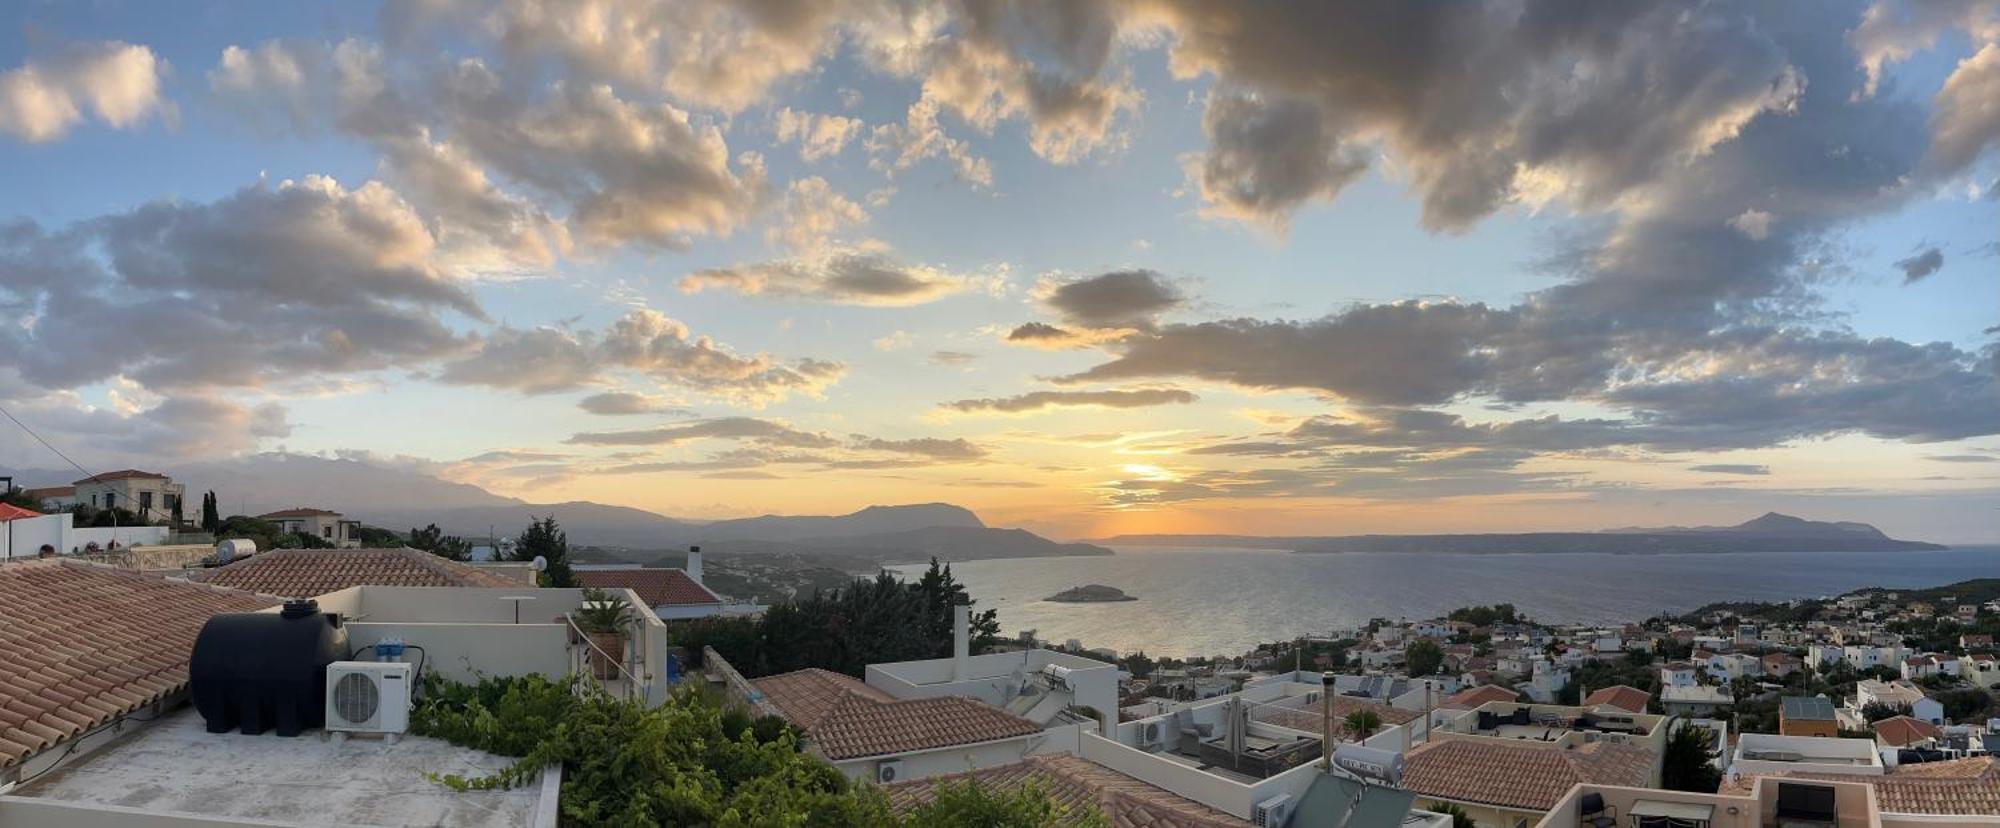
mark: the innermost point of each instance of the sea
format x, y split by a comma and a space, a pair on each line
1223, 602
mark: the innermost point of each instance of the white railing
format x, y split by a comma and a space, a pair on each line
581, 662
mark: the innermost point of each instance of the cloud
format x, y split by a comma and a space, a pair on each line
1920, 265
645, 342
623, 171
952, 359
1044, 400
264, 285
750, 429
814, 215
118, 82
1267, 158
819, 136
626, 403
1892, 30
1732, 468
1300, 87
893, 341
1755, 225
893, 148
955, 449
1119, 299
840, 276
1964, 458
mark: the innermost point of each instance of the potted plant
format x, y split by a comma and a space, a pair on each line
602, 619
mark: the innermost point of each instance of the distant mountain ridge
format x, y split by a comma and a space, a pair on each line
1771, 532
400, 497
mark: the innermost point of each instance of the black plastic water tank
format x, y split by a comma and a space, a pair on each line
259, 670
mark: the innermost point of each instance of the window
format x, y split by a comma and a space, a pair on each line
110, 500
145, 503
326, 531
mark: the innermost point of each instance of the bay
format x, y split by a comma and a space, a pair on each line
1207, 601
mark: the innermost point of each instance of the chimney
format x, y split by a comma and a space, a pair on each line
694, 564
961, 639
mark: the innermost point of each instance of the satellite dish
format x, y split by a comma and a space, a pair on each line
541, 564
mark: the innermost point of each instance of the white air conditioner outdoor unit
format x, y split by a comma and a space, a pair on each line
1152, 734
888, 771
368, 697
1273, 812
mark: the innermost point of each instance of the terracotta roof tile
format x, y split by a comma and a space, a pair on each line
1511, 776
1473, 698
847, 719
121, 474
82, 644
304, 573
1904, 731
1622, 696
1075, 784
657, 587
1959, 787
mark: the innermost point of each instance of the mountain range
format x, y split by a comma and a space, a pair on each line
399, 497
1771, 532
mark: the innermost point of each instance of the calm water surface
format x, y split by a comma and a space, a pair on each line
1225, 601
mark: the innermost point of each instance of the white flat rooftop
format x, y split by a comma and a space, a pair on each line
175, 766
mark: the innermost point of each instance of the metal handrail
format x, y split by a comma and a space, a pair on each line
631, 681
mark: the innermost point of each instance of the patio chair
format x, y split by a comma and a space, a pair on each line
1592, 811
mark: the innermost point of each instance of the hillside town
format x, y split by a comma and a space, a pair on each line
127, 703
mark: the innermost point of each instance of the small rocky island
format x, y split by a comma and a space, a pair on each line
1091, 594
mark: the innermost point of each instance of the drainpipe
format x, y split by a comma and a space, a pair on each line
961, 639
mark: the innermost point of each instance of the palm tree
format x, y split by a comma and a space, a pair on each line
1361, 724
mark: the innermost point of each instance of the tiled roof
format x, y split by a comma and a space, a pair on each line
1075, 784
82, 644
46, 492
847, 719
656, 587
299, 512
304, 573
1510, 776
1903, 731
9, 511
121, 474
1473, 698
1960, 787
1624, 697
1311, 718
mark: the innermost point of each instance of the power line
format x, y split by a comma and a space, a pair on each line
46, 444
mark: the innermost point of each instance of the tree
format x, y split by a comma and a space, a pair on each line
1877, 711
256, 530
1362, 724
211, 514
1742, 689
545, 539
1459, 818
433, 540
174, 516
1422, 658
1687, 763
17, 496
376, 537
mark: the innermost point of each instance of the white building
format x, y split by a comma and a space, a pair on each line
1693, 700
673, 594
331, 527
150, 496
1896, 694
1678, 674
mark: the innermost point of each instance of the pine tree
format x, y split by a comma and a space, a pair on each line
546, 539
1686, 765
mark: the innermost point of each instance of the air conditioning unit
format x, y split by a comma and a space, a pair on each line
1152, 734
1273, 812
368, 697
888, 771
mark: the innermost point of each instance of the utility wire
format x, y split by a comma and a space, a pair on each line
59, 453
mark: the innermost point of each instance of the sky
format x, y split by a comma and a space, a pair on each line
1084, 267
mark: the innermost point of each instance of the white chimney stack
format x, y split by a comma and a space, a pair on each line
961, 640
694, 564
